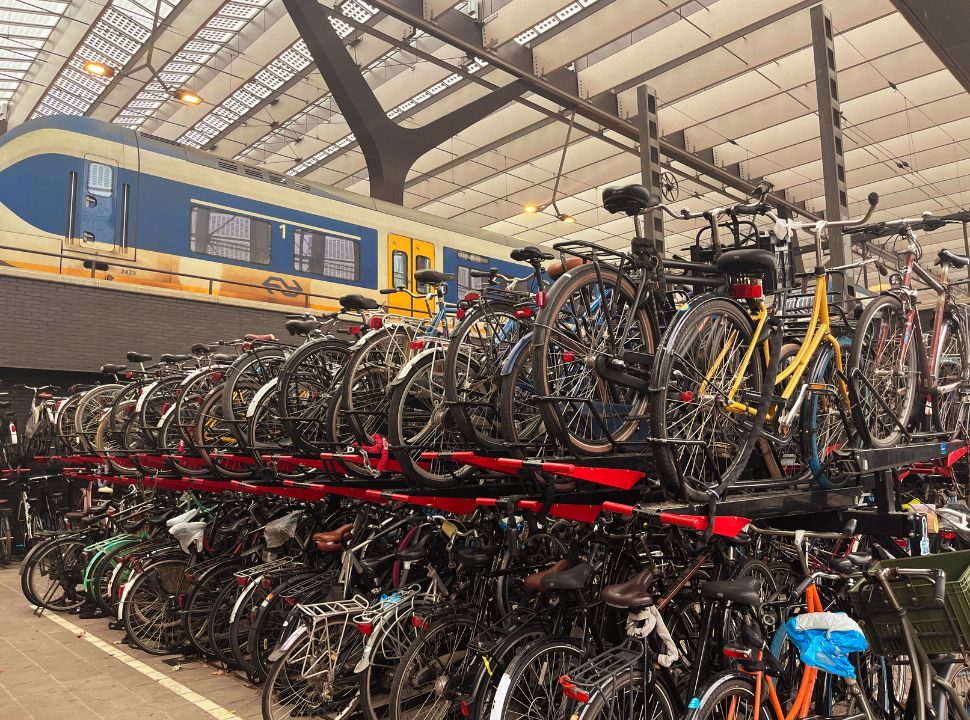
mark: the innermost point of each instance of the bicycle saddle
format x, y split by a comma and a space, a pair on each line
946, 257
358, 302
301, 327
630, 199
333, 540
113, 369
558, 267
634, 593
433, 277
477, 558
576, 578
743, 591
530, 254
747, 261
223, 358
170, 358
416, 551
533, 581
138, 357
200, 349
268, 337
852, 562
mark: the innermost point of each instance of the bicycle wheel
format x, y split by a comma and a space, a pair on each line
199, 601
958, 675
218, 624
242, 380
215, 438
891, 375
475, 354
627, 697
151, 612
530, 686
90, 409
419, 421
435, 659
307, 385
730, 698
6, 538
586, 309
315, 678
54, 577
952, 368
367, 378
699, 362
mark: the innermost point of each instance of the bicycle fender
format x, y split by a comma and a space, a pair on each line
290, 640
124, 594
694, 704
243, 596
411, 363
260, 394
523, 345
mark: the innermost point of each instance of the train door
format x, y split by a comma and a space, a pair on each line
102, 207
405, 257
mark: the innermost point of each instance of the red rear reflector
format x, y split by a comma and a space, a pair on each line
947, 534
180, 601
376, 323
247, 346
121, 590
353, 330
419, 622
129, 375
568, 357
471, 296
242, 581
466, 709
687, 396
541, 298
290, 600
737, 653
571, 691
747, 291
460, 313
267, 583
525, 312
417, 344
365, 627
165, 407
216, 376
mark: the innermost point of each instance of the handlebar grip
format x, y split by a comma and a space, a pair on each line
939, 589
388, 291
850, 527
873, 199
482, 273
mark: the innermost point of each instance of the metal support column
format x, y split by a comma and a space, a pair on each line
966, 247
650, 169
389, 149
830, 133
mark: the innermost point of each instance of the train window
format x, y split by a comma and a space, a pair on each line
399, 269
320, 253
467, 283
422, 262
100, 180
229, 235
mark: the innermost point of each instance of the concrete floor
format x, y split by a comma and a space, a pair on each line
57, 667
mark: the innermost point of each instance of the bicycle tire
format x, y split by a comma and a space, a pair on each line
61, 559
622, 690
307, 385
682, 372
517, 694
564, 346
150, 614
949, 408
738, 692
819, 439
6, 538
866, 412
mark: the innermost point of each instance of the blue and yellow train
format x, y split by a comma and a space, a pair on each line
83, 197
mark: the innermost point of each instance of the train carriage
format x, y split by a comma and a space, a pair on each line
88, 198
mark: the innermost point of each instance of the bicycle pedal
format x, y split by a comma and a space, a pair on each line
115, 625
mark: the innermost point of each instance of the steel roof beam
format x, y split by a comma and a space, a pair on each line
552, 89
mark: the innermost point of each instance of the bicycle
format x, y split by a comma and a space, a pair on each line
896, 369
717, 380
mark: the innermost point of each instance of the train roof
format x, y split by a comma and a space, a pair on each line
118, 133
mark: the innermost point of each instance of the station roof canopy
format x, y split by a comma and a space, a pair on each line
735, 80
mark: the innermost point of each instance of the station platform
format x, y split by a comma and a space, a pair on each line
59, 667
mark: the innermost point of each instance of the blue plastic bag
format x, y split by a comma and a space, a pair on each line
824, 641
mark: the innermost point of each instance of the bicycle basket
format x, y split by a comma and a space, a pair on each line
932, 625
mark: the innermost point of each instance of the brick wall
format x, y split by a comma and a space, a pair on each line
49, 325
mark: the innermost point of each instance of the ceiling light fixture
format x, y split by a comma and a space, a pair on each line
563, 217
531, 209
188, 97
98, 69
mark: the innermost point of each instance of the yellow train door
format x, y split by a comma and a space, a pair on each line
405, 257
